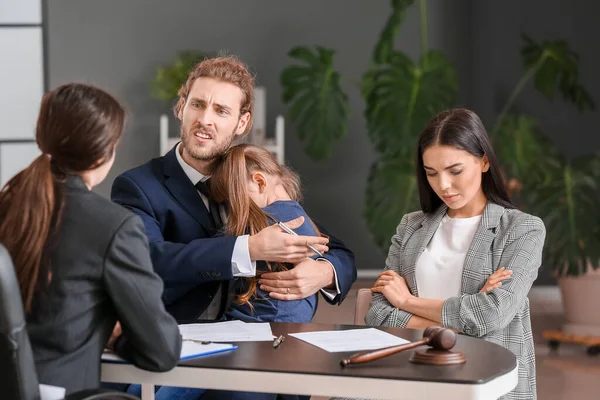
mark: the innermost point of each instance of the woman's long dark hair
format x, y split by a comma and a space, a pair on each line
77, 130
462, 129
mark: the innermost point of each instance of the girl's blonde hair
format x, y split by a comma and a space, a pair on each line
229, 185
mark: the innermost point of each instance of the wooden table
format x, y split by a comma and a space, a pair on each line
297, 367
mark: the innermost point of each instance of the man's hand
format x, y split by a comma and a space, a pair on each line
273, 244
116, 333
393, 287
304, 280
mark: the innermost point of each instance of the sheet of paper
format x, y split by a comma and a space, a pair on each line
188, 350
48, 392
350, 340
228, 331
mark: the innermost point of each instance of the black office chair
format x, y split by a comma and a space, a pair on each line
18, 379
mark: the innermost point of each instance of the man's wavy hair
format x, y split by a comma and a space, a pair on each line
226, 69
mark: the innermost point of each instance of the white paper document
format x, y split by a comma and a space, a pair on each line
48, 392
229, 331
350, 340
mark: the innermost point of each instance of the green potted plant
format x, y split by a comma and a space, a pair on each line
401, 95
564, 192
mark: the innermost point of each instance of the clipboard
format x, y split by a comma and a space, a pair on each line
189, 349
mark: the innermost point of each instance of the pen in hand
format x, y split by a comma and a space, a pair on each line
278, 341
291, 232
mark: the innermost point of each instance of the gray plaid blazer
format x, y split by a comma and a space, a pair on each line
505, 238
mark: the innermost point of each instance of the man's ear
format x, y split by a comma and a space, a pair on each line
243, 123
486, 163
181, 105
260, 180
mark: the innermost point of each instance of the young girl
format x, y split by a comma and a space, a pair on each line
259, 192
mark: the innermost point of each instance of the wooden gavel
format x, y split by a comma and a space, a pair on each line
438, 338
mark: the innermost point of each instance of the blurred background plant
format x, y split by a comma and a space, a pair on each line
169, 78
401, 95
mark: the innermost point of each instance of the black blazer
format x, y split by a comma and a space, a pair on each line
101, 273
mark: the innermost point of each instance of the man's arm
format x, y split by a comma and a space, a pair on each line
343, 263
335, 272
181, 266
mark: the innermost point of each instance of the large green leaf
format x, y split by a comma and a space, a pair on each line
556, 66
385, 46
568, 205
391, 192
319, 107
527, 158
402, 97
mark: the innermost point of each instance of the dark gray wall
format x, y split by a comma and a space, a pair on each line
121, 42
496, 67
117, 45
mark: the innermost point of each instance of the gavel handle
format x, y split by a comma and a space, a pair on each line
367, 356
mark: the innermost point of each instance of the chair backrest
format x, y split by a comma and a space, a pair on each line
18, 380
363, 301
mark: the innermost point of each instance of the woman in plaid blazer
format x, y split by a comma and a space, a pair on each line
459, 178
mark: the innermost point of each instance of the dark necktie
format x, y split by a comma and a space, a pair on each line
213, 206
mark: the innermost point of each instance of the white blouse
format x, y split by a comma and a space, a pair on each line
439, 268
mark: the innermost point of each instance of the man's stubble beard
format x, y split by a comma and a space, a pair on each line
198, 153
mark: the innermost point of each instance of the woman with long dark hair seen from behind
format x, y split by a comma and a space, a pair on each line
466, 232
82, 262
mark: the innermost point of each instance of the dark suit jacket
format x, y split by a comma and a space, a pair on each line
101, 273
190, 261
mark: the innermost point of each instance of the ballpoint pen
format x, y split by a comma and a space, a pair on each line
291, 232
197, 341
278, 341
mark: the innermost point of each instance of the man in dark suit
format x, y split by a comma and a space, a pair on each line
170, 194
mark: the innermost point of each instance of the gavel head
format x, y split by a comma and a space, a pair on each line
440, 338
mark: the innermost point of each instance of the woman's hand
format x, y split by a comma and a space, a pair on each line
116, 333
495, 280
393, 287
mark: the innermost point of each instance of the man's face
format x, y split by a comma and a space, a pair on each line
210, 119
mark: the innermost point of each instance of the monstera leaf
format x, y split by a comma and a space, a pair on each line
402, 97
168, 79
385, 46
568, 205
391, 192
319, 107
556, 67
527, 157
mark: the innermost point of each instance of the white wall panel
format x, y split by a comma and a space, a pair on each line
21, 81
14, 157
20, 12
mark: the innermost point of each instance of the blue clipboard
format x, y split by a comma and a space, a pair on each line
189, 350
